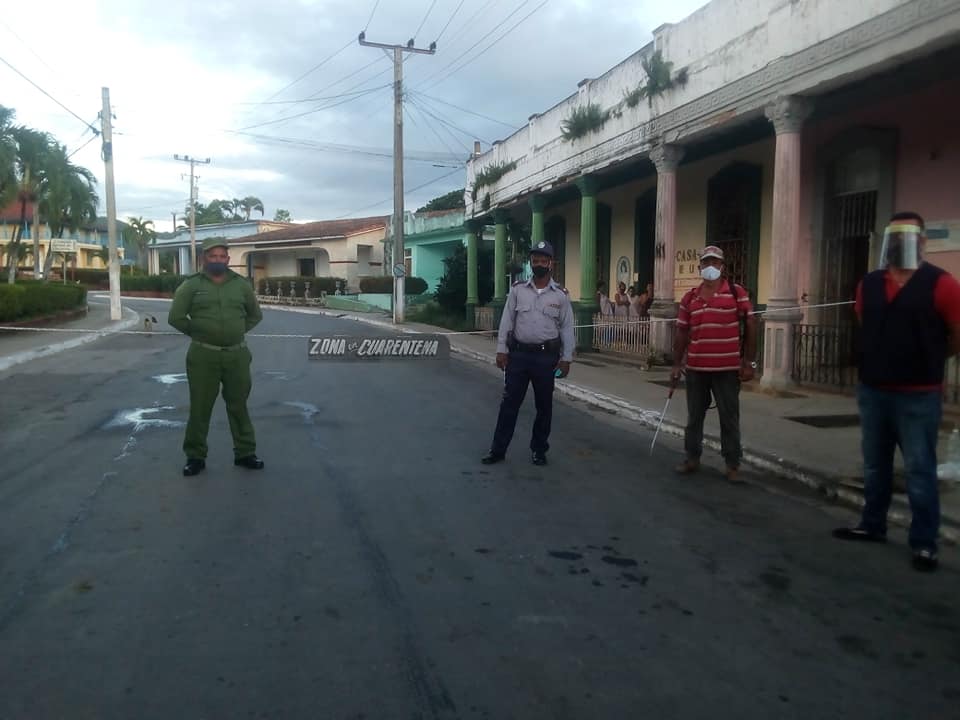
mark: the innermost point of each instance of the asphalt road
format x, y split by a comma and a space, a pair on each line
375, 569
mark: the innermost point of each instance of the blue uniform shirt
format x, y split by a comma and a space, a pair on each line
536, 316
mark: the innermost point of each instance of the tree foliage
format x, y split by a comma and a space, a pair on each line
453, 200
451, 293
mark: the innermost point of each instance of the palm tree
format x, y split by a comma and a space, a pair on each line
249, 204
68, 200
8, 153
142, 234
32, 148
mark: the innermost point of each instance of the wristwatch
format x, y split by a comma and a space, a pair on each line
753, 364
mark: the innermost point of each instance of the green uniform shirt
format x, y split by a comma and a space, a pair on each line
212, 313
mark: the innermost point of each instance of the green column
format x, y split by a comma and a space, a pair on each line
470, 235
587, 305
500, 217
537, 205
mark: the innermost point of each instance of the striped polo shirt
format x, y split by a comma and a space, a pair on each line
714, 327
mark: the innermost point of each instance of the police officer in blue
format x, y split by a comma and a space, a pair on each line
534, 345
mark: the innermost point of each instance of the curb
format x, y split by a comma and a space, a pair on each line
829, 487
87, 337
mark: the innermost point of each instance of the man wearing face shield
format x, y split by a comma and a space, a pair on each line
534, 345
216, 308
909, 312
717, 359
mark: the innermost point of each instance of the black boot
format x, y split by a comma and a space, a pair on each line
194, 466
251, 462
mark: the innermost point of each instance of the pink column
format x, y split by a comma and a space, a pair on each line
666, 158
787, 115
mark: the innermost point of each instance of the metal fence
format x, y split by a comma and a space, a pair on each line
621, 334
825, 355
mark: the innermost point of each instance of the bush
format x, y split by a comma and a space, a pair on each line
88, 276
41, 298
317, 285
384, 284
151, 283
11, 302
433, 314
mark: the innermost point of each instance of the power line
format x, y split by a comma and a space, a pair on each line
315, 110
424, 111
92, 128
484, 37
370, 19
418, 156
449, 124
482, 52
429, 10
467, 24
450, 20
92, 138
305, 100
412, 190
432, 129
311, 70
463, 109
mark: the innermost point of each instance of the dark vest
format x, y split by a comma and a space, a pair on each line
903, 342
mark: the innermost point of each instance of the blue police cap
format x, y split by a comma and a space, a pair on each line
542, 248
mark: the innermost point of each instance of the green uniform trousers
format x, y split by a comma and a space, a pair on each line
206, 370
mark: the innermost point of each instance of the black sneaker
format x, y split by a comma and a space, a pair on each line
925, 560
539, 458
859, 533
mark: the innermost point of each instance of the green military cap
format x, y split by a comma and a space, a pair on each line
213, 242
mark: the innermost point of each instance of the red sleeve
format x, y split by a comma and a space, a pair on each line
743, 301
858, 302
946, 299
683, 312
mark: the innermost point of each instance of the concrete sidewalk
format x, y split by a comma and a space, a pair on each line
24, 345
807, 436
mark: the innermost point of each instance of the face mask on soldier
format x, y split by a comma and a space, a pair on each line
216, 268
541, 271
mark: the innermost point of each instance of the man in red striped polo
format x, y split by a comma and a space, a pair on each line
717, 359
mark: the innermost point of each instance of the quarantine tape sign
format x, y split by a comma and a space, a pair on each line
381, 348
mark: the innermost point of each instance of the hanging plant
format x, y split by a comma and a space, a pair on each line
491, 174
583, 119
660, 79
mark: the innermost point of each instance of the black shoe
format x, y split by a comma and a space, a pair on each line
491, 457
859, 533
539, 458
193, 467
925, 560
251, 462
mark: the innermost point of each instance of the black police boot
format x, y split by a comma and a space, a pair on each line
251, 462
491, 457
539, 458
193, 467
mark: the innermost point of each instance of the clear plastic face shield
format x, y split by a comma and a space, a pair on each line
901, 246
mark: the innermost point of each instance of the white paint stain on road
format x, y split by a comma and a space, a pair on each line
171, 379
306, 410
139, 420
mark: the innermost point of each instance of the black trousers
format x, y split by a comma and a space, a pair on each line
725, 388
523, 369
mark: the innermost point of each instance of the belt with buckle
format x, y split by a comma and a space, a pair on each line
221, 347
547, 346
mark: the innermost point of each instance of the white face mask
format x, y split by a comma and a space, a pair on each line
710, 273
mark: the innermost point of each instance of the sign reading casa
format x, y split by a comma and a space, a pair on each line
419, 347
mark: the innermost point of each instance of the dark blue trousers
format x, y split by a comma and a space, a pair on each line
526, 368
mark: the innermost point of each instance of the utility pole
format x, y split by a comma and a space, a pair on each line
193, 208
106, 127
395, 52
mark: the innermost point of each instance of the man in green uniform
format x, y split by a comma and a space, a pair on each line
215, 308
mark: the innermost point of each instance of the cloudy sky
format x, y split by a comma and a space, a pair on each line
286, 103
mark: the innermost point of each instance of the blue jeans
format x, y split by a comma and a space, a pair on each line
910, 420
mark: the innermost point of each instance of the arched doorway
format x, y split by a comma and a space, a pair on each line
733, 221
